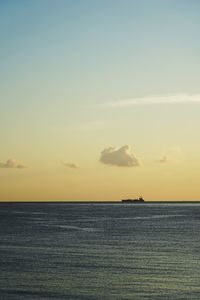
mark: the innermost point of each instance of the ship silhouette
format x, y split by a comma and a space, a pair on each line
138, 200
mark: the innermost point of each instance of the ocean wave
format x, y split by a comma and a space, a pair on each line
129, 218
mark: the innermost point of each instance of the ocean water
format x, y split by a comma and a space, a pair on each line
99, 251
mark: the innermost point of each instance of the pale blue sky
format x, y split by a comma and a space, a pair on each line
84, 52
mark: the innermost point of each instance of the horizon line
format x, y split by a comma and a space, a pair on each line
98, 201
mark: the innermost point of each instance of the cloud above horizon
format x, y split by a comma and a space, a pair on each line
12, 164
173, 155
70, 165
157, 99
121, 157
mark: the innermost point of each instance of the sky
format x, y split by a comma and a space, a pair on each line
99, 100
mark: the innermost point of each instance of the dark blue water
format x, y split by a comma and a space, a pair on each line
99, 251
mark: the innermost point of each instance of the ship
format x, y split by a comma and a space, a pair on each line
138, 200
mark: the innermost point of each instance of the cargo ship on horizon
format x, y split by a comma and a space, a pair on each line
138, 200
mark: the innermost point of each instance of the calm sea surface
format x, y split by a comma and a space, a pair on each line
99, 251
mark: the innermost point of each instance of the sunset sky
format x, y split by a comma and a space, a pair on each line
99, 100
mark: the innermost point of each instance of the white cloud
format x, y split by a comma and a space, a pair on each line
122, 157
157, 99
71, 165
12, 163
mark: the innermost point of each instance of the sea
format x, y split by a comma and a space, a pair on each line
99, 251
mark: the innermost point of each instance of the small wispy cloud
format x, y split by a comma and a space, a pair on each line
164, 159
122, 157
12, 164
173, 155
157, 99
70, 165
